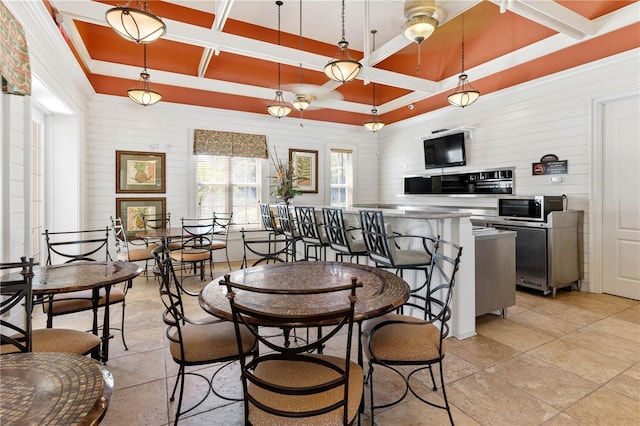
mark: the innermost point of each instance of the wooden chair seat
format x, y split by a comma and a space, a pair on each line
402, 338
65, 303
207, 343
218, 245
63, 340
58, 340
135, 255
298, 374
190, 255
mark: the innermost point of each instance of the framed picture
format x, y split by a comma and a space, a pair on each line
305, 167
140, 172
132, 211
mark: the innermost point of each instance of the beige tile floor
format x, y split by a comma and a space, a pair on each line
574, 360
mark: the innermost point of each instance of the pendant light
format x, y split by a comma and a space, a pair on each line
136, 24
465, 94
279, 108
374, 124
143, 94
343, 68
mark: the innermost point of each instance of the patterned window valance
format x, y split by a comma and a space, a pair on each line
14, 55
229, 144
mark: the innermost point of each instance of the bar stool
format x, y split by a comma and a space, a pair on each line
289, 229
341, 236
384, 248
312, 233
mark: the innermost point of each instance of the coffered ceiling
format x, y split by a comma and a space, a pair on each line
224, 53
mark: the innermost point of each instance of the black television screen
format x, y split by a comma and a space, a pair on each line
444, 151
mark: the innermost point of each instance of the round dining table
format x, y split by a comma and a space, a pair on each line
53, 388
77, 276
381, 291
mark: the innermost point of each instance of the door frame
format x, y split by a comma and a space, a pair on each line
596, 184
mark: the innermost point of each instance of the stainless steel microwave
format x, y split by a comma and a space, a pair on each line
534, 208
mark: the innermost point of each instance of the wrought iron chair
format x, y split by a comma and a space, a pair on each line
341, 236
160, 221
268, 220
196, 343
400, 342
288, 384
220, 237
74, 246
17, 292
386, 249
309, 225
127, 250
259, 250
289, 229
196, 245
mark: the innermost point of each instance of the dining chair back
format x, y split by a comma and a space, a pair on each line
127, 250
195, 342
156, 221
257, 249
196, 245
341, 236
288, 383
407, 344
74, 246
309, 225
19, 335
221, 227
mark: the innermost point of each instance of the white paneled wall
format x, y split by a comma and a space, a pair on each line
116, 123
13, 159
514, 128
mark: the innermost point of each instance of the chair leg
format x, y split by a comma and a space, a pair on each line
444, 393
124, 343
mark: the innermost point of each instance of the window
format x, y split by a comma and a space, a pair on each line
341, 177
228, 184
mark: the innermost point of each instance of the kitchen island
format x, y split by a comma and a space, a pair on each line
451, 225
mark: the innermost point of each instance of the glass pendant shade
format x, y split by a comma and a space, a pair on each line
343, 68
374, 124
464, 94
143, 94
419, 28
279, 108
137, 25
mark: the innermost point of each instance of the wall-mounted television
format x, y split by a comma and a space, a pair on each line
444, 151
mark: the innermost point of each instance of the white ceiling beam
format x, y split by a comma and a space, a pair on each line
552, 15
222, 13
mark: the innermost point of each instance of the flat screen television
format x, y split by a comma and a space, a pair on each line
444, 151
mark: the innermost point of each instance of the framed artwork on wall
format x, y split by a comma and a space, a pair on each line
132, 211
305, 167
140, 172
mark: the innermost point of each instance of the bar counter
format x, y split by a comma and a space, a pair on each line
452, 225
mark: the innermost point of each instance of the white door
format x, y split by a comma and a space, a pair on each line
621, 198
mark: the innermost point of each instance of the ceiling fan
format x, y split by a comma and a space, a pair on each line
304, 94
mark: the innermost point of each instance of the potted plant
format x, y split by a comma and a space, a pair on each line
283, 183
